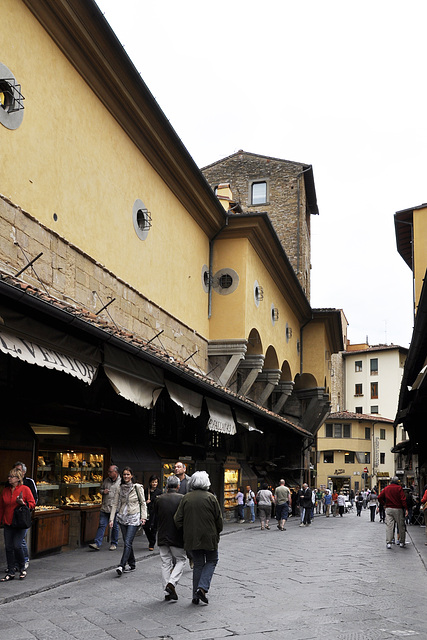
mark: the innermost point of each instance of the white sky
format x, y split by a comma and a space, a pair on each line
337, 84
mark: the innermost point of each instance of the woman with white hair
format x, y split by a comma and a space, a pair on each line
199, 516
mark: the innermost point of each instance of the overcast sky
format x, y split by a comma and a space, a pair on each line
336, 84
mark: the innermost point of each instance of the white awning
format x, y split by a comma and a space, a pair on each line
246, 420
32, 352
221, 418
189, 401
138, 391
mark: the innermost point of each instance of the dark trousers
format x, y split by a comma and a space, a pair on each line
13, 544
307, 515
128, 533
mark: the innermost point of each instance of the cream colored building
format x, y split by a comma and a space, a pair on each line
350, 445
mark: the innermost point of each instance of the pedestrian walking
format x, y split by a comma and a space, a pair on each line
283, 500
199, 515
393, 498
373, 504
264, 500
424, 508
240, 505
306, 504
250, 503
28, 482
151, 493
328, 502
341, 503
14, 495
129, 504
180, 472
334, 503
359, 503
169, 539
108, 490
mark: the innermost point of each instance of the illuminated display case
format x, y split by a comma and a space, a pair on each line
69, 479
231, 484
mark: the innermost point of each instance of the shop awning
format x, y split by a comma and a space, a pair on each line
138, 391
246, 421
189, 401
31, 351
220, 417
133, 378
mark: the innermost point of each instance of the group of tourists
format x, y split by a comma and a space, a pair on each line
186, 520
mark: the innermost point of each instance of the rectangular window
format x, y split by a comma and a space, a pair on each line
374, 366
349, 457
367, 433
358, 389
382, 434
359, 410
374, 408
328, 457
346, 431
329, 432
337, 431
367, 457
374, 390
358, 366
382, 458
259, 193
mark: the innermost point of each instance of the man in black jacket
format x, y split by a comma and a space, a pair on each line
307, 504
169, 538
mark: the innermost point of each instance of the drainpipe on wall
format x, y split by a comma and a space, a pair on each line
301, 344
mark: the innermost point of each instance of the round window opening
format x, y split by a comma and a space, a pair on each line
11, 99
225, 281
141, 219
6, 96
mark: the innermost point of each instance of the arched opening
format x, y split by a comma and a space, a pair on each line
271, 360
254, 343
305, 381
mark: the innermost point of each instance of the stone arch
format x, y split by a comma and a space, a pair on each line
254, 343
305, 381
271, 360
286, 372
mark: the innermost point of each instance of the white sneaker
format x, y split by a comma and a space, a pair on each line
119, 571
388, 545
113, 547
402, 544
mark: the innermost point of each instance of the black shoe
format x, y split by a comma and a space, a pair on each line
195, 601
119, 571
171, 591
167, 597
201, 595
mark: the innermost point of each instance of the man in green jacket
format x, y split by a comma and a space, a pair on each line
199, 516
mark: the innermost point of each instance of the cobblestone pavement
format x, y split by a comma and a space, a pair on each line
334, 580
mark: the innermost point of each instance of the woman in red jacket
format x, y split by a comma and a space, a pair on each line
14, 494
424, 503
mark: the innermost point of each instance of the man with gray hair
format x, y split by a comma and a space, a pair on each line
169, 539
394, 500
199, 516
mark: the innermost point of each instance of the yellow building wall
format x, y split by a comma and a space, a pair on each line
420, 250
357, 442
317, 353
69, 157
236, 314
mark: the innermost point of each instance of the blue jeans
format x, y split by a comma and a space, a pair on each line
13, 545
128, 533
252, 509
241, 511
103, 522
204, 567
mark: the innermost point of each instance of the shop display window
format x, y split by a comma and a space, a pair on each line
68, 479
231, 484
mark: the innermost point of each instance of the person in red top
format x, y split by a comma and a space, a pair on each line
423, 502
394, 500
14, 494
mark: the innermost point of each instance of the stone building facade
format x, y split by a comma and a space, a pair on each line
284, 190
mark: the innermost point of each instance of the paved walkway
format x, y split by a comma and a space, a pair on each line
334, 580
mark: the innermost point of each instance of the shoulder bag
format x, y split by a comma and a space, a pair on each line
21, 517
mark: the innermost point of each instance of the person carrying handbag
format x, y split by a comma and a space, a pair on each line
14, 496
129, 504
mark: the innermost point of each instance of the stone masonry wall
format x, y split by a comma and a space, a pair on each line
69, 274
283, 178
